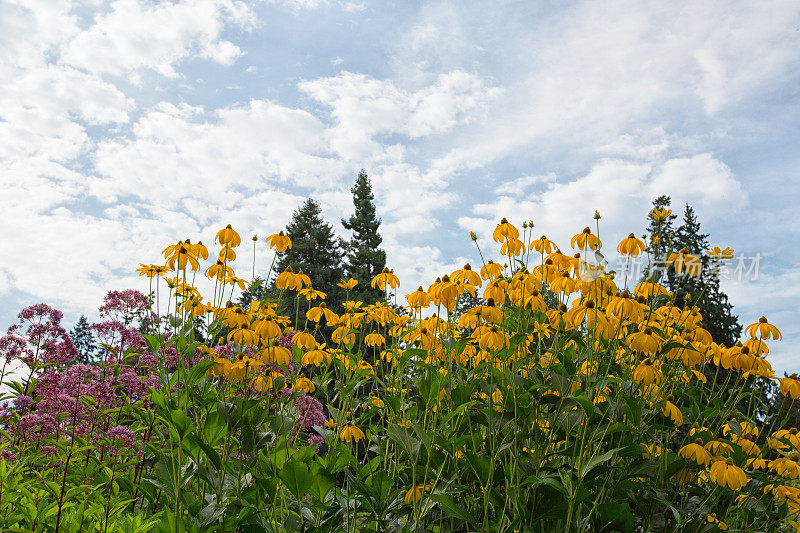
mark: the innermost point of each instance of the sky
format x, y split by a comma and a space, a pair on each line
128, 125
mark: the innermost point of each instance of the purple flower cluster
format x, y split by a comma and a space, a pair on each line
311, 414
38, 339
122, 312
63, 401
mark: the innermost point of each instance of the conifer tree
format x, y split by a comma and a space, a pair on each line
315, 251
365, 259
704, 290
83, 340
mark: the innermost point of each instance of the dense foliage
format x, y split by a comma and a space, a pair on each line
601, 407
365, 259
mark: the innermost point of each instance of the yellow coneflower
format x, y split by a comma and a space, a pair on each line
351, 433
631, 245
280, 242
585, 239
227, 236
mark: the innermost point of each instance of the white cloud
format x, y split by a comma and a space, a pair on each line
617, 189
596, 76
307, 5
701, 180
133, 36
183, 151
773, 294
364, 108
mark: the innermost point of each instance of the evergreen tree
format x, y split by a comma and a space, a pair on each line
316, 252
365, 259
705, 293
83, 339
704, 290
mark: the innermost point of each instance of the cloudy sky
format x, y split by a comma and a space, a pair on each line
130, 124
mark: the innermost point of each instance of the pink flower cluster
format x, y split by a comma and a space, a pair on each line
62, 400
38, 339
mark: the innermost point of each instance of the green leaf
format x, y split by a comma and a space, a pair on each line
596, 461
616, 515
297, 478
451, 508
480, 465
210, 452
199, 371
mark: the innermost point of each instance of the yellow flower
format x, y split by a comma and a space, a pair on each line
630, 246
227, 254
673, 412
288, 280
790, 387
241, 368
227, 236
315, 357
179, 255
280, 242
199, 250
492, 339
232, 280
684, 260
349, 284
311, 294
764, 330
383, 278
351, 433
718, 253
151, 270
374, 339
275, 354
564, 284
505, 231
365, 366
316, 313
543, 245
512, 247
585, 239
712, 519
304, 339
625, 307
647, 374
647, 289
467, 275
644, 341
694, 451
221, 368
414, 494
267, 329
660, 215
724, 474
418, 299
243, 335
375, 401
219, 270
303, 384
492, 270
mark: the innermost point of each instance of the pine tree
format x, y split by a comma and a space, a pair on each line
85, 344
365, 259
315, 251
704, 290
705, 293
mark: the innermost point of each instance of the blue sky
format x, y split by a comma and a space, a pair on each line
127, 125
